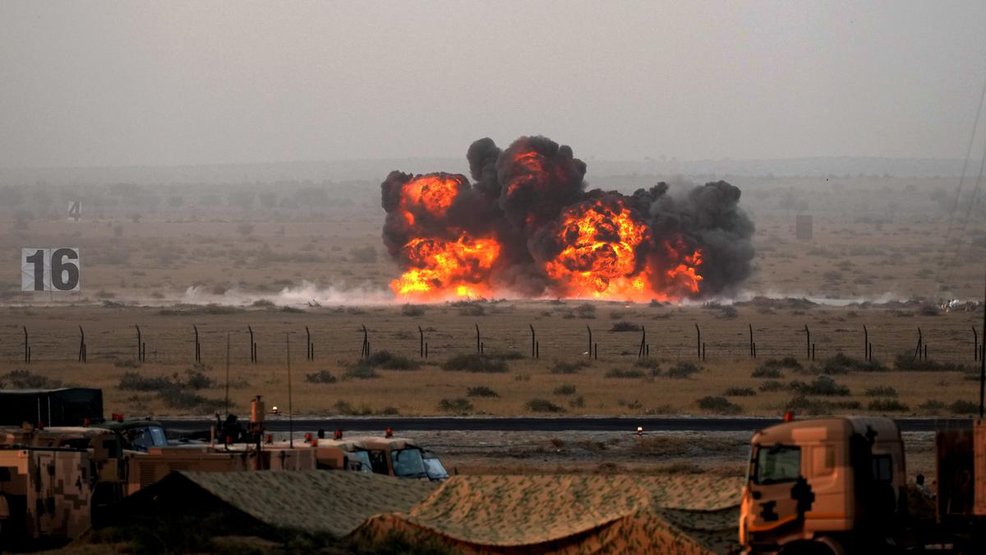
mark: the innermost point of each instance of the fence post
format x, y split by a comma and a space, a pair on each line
198, 347
82, 345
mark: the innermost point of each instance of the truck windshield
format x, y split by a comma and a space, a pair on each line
408, 463
359, 461
776, 463
144, 438
436, 471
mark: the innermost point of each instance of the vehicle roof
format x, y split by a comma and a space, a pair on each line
386, 442
817, 429
127, 424
37, 391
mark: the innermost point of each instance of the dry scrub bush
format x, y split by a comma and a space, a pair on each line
322, 376
739, 392
562, 367
543, 405
458, 405
719, 405
475, 363
481, 391
822, 385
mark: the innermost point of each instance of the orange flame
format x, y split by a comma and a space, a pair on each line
447, 269
431, 194
599, 257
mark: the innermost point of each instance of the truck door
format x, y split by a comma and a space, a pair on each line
775, 478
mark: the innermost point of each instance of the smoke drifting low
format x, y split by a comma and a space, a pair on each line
526, 226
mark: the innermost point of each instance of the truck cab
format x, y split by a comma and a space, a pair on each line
826, 486
402, 458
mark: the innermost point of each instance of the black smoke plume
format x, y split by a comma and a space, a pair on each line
519, 195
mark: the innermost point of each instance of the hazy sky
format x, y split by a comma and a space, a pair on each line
140, 83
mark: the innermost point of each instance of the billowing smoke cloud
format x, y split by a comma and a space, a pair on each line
526, 226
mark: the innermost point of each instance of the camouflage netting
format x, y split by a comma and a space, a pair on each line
569, 514
311, 501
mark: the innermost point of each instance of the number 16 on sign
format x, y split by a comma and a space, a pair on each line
50, 269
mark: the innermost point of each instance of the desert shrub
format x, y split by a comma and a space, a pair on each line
390, 411
179, 398
481, 391
577, 402
739, 392
565, 389
506, 355
470, 308
964, 407
360, 371
389, 361
881, 391
628, 373
932, 405
561, 367
763, 371
586, 311
459, 405
647, 362
682, 370
322, 376
822, 385
907, 361
719, 405
623, 325
543, 405
195, 379
132, 381
475, 363
24, 379
771, 385
790, 363
346, 409
842, 364
633, 405
412, 310
887, 405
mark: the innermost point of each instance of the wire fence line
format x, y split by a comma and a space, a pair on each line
951, 341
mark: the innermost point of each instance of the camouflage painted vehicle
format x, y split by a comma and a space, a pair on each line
46, 493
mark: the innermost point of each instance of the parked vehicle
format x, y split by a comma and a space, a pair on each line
830, 486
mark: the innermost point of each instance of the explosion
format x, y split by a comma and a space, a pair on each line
527, 227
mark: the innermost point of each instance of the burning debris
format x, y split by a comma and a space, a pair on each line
527, 227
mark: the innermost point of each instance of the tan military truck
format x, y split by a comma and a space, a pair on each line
830, 486
45, 492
